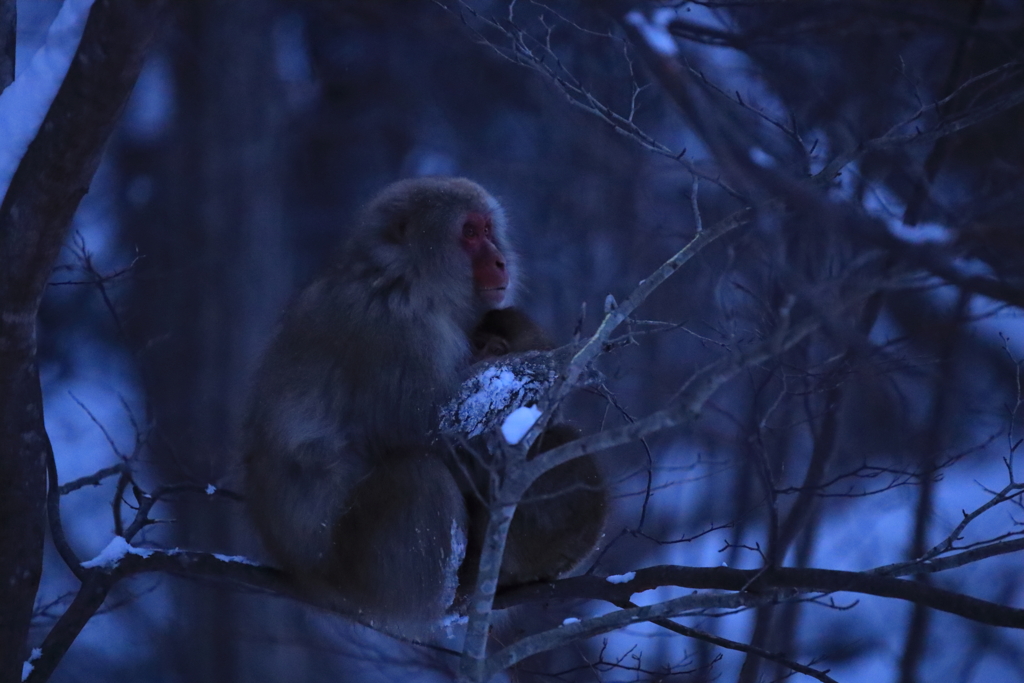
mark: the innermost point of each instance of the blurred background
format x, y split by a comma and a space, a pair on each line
258, 128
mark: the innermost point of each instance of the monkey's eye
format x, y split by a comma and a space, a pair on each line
469, 231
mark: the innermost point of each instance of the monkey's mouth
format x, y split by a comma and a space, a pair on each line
492, 295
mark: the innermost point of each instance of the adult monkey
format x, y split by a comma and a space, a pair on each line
341, 481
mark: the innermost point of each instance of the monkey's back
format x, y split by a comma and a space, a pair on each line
338, 391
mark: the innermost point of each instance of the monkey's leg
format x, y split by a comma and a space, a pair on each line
560, 519
398, 545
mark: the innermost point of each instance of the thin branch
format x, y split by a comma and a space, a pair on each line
60, 542
1008, 492
743, 647
569, 633
94, 479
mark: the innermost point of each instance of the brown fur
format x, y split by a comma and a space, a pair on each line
507, 330
560, 519
341, 481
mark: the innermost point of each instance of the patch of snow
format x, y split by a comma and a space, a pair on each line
241, 559
570, 620
114, 552
27, 667
458, 554
450, 621
497, 385
25, 102
516, 425
621, 578
453, 619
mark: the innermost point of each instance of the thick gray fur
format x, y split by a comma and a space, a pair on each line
340, 481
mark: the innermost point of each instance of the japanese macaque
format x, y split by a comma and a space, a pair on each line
561, 517
342, 480
507, 330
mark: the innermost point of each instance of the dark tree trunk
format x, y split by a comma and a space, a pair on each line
44, 193
8, 36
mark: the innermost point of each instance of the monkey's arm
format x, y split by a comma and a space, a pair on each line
562, 515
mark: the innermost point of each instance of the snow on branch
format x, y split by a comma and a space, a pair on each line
24, 103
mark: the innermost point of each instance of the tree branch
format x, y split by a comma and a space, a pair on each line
44, 193
779, 579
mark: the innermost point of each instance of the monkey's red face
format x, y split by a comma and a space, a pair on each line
490, 277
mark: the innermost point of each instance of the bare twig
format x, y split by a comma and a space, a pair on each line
743, 647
